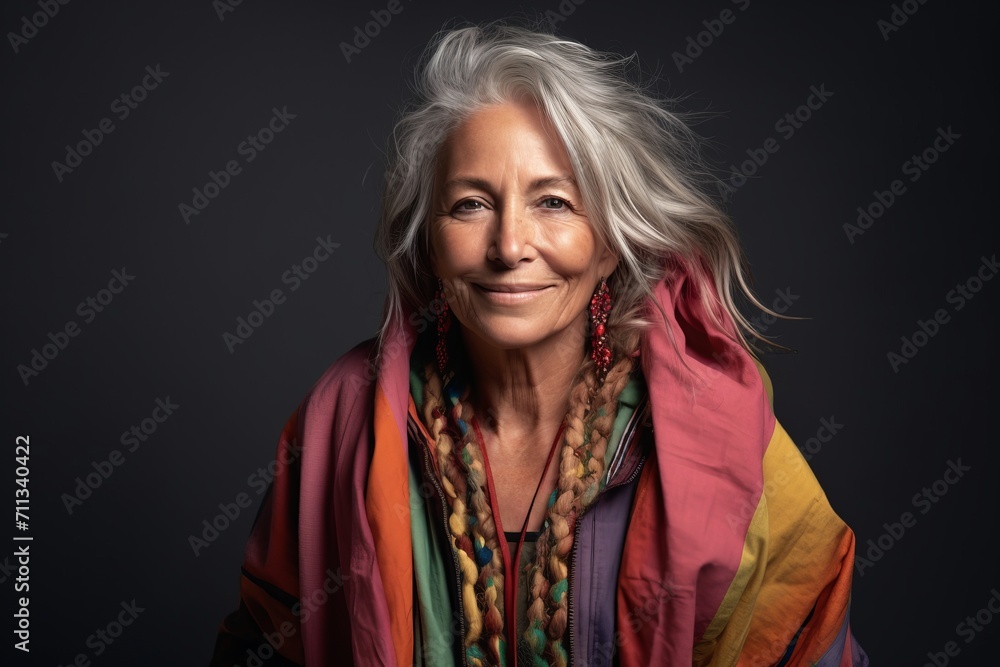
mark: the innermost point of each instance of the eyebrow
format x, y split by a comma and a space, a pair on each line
483, 184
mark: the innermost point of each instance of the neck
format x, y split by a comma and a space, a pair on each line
524, 393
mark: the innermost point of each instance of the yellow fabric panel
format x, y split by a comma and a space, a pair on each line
804, 545
726, 633
808, 547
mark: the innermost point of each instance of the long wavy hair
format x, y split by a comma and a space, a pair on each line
640, 169
645, 188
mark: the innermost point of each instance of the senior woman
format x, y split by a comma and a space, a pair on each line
560, 449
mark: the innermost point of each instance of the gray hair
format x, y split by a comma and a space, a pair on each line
637, 163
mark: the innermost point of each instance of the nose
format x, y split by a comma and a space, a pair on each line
513, 237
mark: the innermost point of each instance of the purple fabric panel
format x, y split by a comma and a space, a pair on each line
595, 580
858, 655
835, 654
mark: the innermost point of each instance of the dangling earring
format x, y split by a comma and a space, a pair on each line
443, 324
600, 306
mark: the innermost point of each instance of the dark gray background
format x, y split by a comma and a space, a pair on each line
162, 336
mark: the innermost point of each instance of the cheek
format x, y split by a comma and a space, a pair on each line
593, 259
576, 255
453, 251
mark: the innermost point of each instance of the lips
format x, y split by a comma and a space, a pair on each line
509, 289
505, 295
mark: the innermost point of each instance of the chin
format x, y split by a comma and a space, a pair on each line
506, 338
517, 334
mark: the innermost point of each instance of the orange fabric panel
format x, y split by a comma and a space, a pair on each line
387, 501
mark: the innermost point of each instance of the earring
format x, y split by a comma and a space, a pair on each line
600, 306
443, 325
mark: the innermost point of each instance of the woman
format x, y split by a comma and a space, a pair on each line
560, 449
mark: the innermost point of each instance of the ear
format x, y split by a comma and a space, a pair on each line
608, 262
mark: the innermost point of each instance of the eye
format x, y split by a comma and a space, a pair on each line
554, 203
469, 205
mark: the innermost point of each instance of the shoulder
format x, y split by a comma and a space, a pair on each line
348, 381
766, 379
354, 368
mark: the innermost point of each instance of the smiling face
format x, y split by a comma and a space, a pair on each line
509, 237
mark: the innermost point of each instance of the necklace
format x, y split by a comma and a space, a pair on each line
510, 568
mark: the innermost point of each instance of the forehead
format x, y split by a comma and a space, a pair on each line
510, 139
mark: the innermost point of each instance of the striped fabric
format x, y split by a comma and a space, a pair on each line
731, 544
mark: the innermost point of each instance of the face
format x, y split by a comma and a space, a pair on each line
509, 236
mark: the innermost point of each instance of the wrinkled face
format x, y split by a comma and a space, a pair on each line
509, 237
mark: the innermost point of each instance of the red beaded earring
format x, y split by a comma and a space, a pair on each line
443, 324
600, 306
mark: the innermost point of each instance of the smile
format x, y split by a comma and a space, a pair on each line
507, 294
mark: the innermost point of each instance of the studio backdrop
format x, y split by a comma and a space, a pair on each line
190, 193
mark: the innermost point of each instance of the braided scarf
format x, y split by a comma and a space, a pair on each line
447, 414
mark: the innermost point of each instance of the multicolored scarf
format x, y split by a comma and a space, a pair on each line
461, 465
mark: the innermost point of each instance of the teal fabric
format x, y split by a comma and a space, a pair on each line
432, 608
628, 401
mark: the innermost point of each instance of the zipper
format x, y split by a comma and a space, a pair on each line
415, 432
627, 437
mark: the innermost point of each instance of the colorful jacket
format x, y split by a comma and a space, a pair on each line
731, 554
